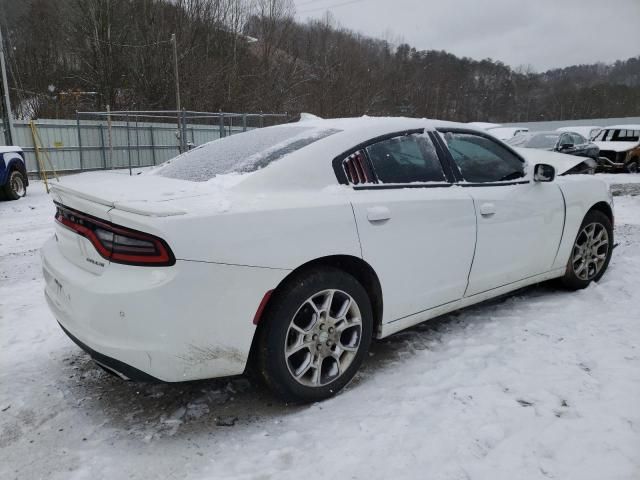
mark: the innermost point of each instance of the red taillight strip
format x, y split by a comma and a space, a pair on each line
163, 256
87, 233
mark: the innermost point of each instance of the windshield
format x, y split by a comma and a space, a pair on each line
617, 135
240, 153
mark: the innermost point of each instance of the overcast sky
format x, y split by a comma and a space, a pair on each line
543, 33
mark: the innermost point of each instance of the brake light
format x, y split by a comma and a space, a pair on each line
117, 243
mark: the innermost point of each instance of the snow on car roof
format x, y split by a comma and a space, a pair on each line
353, 123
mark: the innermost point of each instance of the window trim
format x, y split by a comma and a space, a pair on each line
377, 184
460, 181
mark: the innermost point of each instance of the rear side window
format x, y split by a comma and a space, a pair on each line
240, 153
621, 135
482, 160
405, 159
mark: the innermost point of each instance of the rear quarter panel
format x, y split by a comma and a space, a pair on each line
276, 230
581, 193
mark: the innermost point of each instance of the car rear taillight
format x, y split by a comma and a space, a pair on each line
117, 243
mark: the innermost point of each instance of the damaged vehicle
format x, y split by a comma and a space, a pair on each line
619, 148
285, 250
569, 143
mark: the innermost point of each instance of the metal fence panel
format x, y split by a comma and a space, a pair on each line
88, 144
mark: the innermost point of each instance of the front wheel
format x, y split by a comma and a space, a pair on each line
633, 166
591, 251
316, 334
16, 187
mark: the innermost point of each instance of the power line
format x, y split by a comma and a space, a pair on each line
328, 7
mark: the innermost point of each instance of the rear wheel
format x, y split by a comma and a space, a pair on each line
591, 251
16, 187
316, 334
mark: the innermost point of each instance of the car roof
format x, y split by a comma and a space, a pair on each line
310, 166
378, 123
622, 127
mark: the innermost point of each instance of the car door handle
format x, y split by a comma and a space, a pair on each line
378, 214
487, 209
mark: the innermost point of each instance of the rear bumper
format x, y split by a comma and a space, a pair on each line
191, 321
122, 370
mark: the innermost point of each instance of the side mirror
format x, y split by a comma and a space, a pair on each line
543, 173
566, 146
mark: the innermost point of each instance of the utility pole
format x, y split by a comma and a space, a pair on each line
177, 80
7, 121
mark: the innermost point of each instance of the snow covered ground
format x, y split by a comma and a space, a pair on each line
542, 384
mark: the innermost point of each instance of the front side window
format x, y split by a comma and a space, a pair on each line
482, 160
405, 159
578, 139
566, 139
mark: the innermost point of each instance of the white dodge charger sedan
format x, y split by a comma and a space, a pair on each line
287, 249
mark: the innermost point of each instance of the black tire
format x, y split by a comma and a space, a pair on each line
16, 186
289, 304
573, 279
633, 166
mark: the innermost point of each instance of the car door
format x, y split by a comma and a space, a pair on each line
415, 229
520, 222
583, 148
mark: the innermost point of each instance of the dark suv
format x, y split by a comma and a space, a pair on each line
13, 173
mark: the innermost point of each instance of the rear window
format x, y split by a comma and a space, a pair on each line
240, 153
532, 140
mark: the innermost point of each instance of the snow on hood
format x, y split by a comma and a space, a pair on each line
560, 161
149, 195
617, 146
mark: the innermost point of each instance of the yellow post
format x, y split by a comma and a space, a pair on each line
36, 144
46, 156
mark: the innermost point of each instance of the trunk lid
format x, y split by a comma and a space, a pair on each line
148, 195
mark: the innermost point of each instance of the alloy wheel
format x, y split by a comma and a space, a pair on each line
323, 338
590, 251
